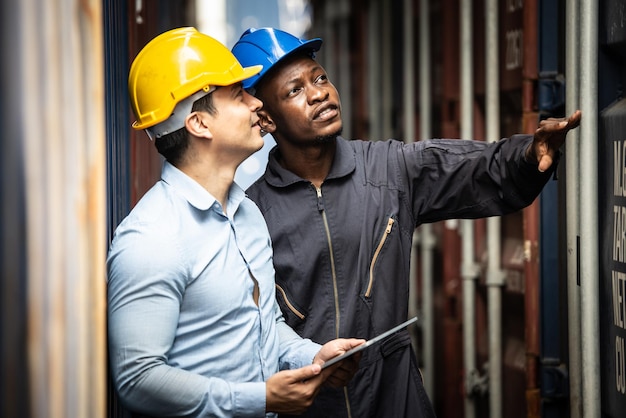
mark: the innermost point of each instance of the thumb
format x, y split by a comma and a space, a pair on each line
307, 372
545, 162
353, 342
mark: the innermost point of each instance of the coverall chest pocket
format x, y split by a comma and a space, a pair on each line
380, 248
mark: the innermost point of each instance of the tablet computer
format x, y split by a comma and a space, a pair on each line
369, 343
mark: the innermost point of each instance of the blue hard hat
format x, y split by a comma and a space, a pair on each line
266, 47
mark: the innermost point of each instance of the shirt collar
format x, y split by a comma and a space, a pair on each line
194, 193
344, 164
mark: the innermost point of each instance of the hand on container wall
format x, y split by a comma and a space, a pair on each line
548, 139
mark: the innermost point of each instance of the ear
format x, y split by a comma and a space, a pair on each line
196, 124
265, 121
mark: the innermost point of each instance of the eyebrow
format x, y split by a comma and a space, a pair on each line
308, 73
234, 89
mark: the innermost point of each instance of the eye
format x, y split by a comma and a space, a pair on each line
294, 91
322, 78
237, 91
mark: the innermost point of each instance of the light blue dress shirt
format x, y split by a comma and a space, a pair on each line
185, 335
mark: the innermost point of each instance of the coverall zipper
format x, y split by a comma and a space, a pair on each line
370, 284
320, 208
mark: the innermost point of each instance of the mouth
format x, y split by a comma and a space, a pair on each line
326, 112
257, 124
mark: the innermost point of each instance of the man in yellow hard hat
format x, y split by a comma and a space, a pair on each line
194, 328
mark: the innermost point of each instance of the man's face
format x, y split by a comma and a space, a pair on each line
235, 122
301, 101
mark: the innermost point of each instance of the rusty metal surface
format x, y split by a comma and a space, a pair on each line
55, 90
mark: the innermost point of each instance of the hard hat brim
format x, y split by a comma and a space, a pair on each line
227, 81
247, 73
312, 45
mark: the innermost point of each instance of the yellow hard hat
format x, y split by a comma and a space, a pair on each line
175, 68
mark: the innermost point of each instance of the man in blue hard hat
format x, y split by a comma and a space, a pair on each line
341, 215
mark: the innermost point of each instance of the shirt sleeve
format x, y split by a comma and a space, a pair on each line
295, 351
145, 289
465, 179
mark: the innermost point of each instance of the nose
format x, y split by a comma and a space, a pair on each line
317, 93
254, 103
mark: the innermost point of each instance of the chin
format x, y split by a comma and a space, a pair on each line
329, 137
257, 142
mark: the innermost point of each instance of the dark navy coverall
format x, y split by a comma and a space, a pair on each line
342, 252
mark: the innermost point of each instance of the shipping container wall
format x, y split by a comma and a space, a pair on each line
52, 194
612, 204
133, 163
532, 49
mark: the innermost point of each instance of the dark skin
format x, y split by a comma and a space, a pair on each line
302, 111
549, 137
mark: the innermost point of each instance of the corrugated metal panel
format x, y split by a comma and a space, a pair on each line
13, 266
511, 44
117, 64
146, 19
132, 160
612, 205
553, 372
612, 269
55, 91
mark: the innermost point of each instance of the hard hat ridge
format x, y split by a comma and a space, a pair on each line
268, 46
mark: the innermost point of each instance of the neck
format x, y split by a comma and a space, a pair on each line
215, 178
311, 163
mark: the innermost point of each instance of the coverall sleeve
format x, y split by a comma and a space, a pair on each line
466, 179
295, 351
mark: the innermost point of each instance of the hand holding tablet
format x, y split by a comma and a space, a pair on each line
369, 343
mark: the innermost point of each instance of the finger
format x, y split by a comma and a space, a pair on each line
343, 374
335, 376
574, 119
335, 382
551, 121
555, 126
545, 162
559, 123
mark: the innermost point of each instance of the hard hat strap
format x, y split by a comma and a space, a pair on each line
177, 118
